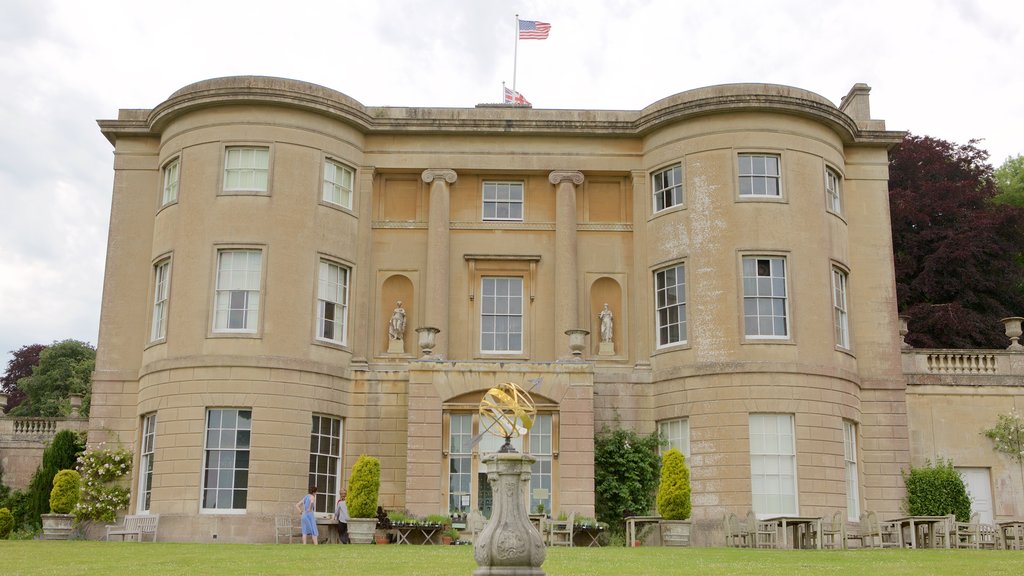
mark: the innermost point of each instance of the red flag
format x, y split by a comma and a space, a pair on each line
533, 30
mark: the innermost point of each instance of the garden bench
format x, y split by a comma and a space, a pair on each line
135, 525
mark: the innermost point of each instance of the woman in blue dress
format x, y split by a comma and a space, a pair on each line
306, 507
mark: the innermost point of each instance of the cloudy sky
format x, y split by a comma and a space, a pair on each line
944, 68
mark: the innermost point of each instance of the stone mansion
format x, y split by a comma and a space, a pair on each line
294, 279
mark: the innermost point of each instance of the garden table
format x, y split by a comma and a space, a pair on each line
428, 531
588, 534
327, 526
631, 526
810, 525
1011, 533
934, 524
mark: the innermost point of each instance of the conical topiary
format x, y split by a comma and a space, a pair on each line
674, 487
67, 486
364, 487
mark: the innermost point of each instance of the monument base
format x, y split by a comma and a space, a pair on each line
606, 349
396, 346
508, 571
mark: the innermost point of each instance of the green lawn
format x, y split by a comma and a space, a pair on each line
84, 557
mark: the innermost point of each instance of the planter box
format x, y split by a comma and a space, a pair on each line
361, 530
675, 532
57, 526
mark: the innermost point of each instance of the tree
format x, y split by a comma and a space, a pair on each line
18, 367
625, 475
64, 367
957, 271
61, 454
1010, 182
1008, 437
674, 488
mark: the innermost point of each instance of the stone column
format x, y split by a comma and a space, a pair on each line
435, 299
362, 287
509, 545
567, 315
641, 318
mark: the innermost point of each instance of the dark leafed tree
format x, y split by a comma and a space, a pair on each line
957, 272
64, 367
19, 366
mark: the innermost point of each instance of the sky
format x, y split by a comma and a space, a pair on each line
950, 69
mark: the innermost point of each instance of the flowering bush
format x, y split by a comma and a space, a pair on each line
1008, 435
102, 495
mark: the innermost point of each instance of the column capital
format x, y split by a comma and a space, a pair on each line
559, 176
446, 174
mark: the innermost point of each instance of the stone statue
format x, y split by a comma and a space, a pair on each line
606, 324
396, 326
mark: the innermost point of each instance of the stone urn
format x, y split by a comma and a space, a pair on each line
427, 339
57, 526
675, 532
362, 530
576, 341
1013, 332
509, 545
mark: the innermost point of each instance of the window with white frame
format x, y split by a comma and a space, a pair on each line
773, 464
670, 304
171, 174
226, 461
460, 463
237, 305
332, 302
832, 198
246, 168
468, 488
161, 284
501, 315
677, 435
146, 451
503, 201
850, 457
842, 320
668, 187
540, 448
765, 306
338, 180
325, 460
759, 175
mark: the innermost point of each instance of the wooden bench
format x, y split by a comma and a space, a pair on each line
135, 525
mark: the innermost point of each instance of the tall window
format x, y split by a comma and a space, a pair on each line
842, 320
501, 317
772, 464
146, 452
677, 434
226, 465
238, 291
668, 187
832, 198
162, 275
764, 297
759, 175
670, 304
338, 184
503, 201
540, 448
171, 171
460, 463
850, 456
246, 168
332, 302
325, 460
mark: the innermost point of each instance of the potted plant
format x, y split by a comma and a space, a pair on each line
449, 536
63, 498
674, 499
363, 491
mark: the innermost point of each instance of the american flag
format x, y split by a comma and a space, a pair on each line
533, 30
513, 97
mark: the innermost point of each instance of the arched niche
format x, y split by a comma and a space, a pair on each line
397, 287
607, 290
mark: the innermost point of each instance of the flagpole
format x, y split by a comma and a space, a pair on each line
515, 57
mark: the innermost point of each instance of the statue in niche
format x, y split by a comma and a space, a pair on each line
396, 326
606, 324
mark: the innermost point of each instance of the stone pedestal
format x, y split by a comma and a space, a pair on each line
509, 545
606, 349
396, 346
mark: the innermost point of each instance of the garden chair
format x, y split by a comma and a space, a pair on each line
734, 535
284, 528
560, 531
762, 533
833, 533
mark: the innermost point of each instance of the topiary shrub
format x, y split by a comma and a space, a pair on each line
364, 487
60, 454
6, 523
937, 490
67, 486
674, 487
